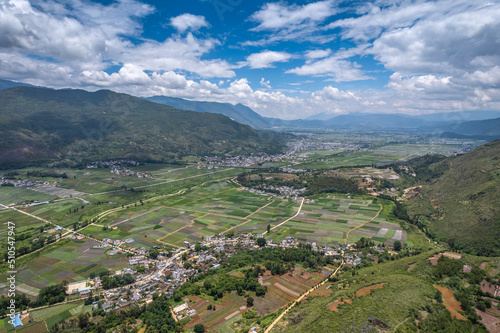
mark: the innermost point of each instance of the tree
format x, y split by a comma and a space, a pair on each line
199, 328
268, 228
261, 242
249, 302
397, 246
153, 253
197, 247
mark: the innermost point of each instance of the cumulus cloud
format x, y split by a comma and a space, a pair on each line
447, 37
188, 21
318, 54
438, 55
292, 22
337, 69
265, 59
275, 16
87, 36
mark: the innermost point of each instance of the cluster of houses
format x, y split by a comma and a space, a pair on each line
293, 147
170, 270
285, 192
117, 168
106, 242
110, 164
120, 171
23, 182
183, 310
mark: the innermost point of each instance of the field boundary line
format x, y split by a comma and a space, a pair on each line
361, 225
134, 217
290, 218
165, 182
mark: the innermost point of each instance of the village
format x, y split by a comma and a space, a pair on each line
171, 269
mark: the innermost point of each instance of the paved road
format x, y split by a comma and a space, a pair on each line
298, 212
68, 231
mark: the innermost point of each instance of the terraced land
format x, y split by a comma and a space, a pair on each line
281, 290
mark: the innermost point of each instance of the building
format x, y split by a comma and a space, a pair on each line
493, 289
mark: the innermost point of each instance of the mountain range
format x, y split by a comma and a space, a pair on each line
44, 124
476, 124
454, 124
238, 112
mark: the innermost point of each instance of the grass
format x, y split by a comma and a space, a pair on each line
403, 291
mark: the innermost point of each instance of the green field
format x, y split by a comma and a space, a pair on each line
73, 261
9, 195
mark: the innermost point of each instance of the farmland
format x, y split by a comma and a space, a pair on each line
336, 219
182, 204
222, 207
281, 290
73, 261
205, 211
9, 195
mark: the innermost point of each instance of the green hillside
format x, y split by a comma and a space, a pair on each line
41, 124
461, 205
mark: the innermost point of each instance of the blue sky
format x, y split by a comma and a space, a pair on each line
282, 58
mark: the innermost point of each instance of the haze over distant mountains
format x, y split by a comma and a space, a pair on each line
477, 123
474, 123
238, 112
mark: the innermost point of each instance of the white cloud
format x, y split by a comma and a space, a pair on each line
318, 54
265, 59
338, 69
87, 36
188, 21
293, 22
332, 93
447, 37
275, 16
265, 84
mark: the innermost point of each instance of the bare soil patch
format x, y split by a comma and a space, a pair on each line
238, 274
450, 255
450, 302
367, 290
320, 292
492, 323
334, 306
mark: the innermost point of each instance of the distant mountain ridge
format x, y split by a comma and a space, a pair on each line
238, 112
6, 84
44, 124
451, 124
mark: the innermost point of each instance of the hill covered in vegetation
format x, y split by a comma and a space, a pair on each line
458, 200
38, 124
